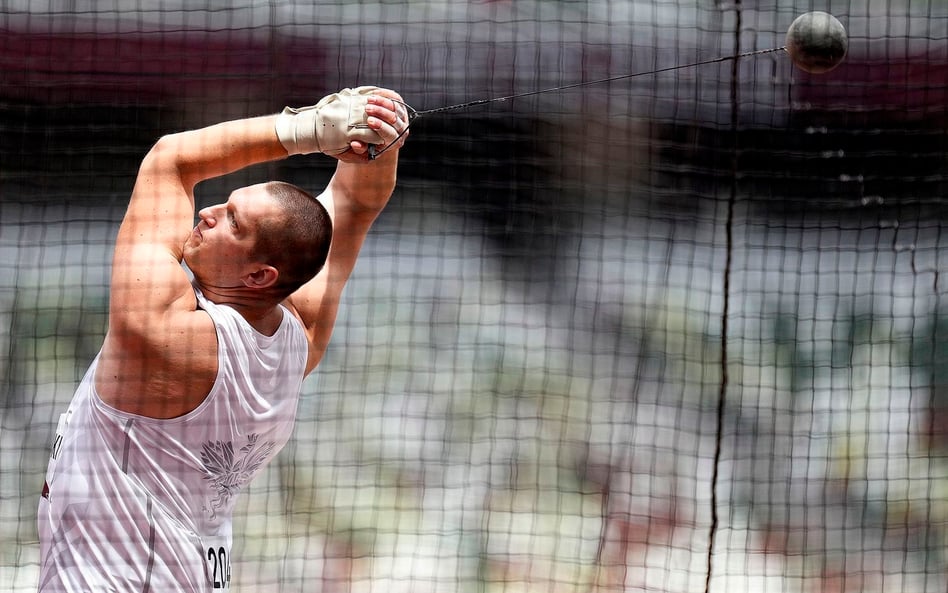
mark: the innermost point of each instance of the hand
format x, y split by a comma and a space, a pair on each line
387, 115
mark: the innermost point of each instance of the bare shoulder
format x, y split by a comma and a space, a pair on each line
162, 369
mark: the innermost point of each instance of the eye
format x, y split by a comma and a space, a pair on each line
232, 219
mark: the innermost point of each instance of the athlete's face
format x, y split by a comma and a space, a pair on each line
220, 249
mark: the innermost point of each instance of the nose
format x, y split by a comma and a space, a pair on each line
207, 215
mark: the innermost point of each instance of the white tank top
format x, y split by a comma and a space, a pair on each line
139, 504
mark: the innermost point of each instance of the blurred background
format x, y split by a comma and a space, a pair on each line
676, 331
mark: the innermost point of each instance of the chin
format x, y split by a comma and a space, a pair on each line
187, 258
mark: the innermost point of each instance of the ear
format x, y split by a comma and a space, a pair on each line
264, 277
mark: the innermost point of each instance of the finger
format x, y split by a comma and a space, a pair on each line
392, 102
401, 111
357, 153
381, 113
387, 93
385, 119
385, 129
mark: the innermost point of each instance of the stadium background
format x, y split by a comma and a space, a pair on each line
587, 318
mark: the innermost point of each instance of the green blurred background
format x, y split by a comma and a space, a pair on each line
584, 311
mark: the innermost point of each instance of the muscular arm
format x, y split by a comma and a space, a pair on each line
356, 194
160, 354
155, 335
354, 198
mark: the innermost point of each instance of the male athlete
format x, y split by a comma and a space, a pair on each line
196, 386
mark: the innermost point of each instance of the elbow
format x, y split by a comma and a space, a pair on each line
162, 149
165, 158
159, 157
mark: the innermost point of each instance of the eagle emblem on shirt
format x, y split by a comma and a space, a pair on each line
229, 470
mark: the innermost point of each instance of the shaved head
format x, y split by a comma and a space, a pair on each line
296, 243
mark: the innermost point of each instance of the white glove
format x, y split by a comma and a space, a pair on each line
328, 126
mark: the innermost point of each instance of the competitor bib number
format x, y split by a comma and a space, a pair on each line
218, 567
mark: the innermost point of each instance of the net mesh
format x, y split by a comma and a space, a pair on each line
682, 332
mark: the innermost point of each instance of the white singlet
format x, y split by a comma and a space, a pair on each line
138, 504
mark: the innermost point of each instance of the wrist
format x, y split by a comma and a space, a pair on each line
295, 129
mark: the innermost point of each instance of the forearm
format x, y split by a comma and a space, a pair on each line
355, 196
217, 150
161, 210
364, 186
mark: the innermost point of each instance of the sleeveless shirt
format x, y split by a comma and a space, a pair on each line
140, 504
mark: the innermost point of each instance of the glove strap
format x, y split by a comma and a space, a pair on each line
296, 129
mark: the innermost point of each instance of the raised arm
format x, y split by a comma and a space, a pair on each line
358, 191
147, 279
155, 334
159, 357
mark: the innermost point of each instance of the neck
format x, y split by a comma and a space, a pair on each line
260, 311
